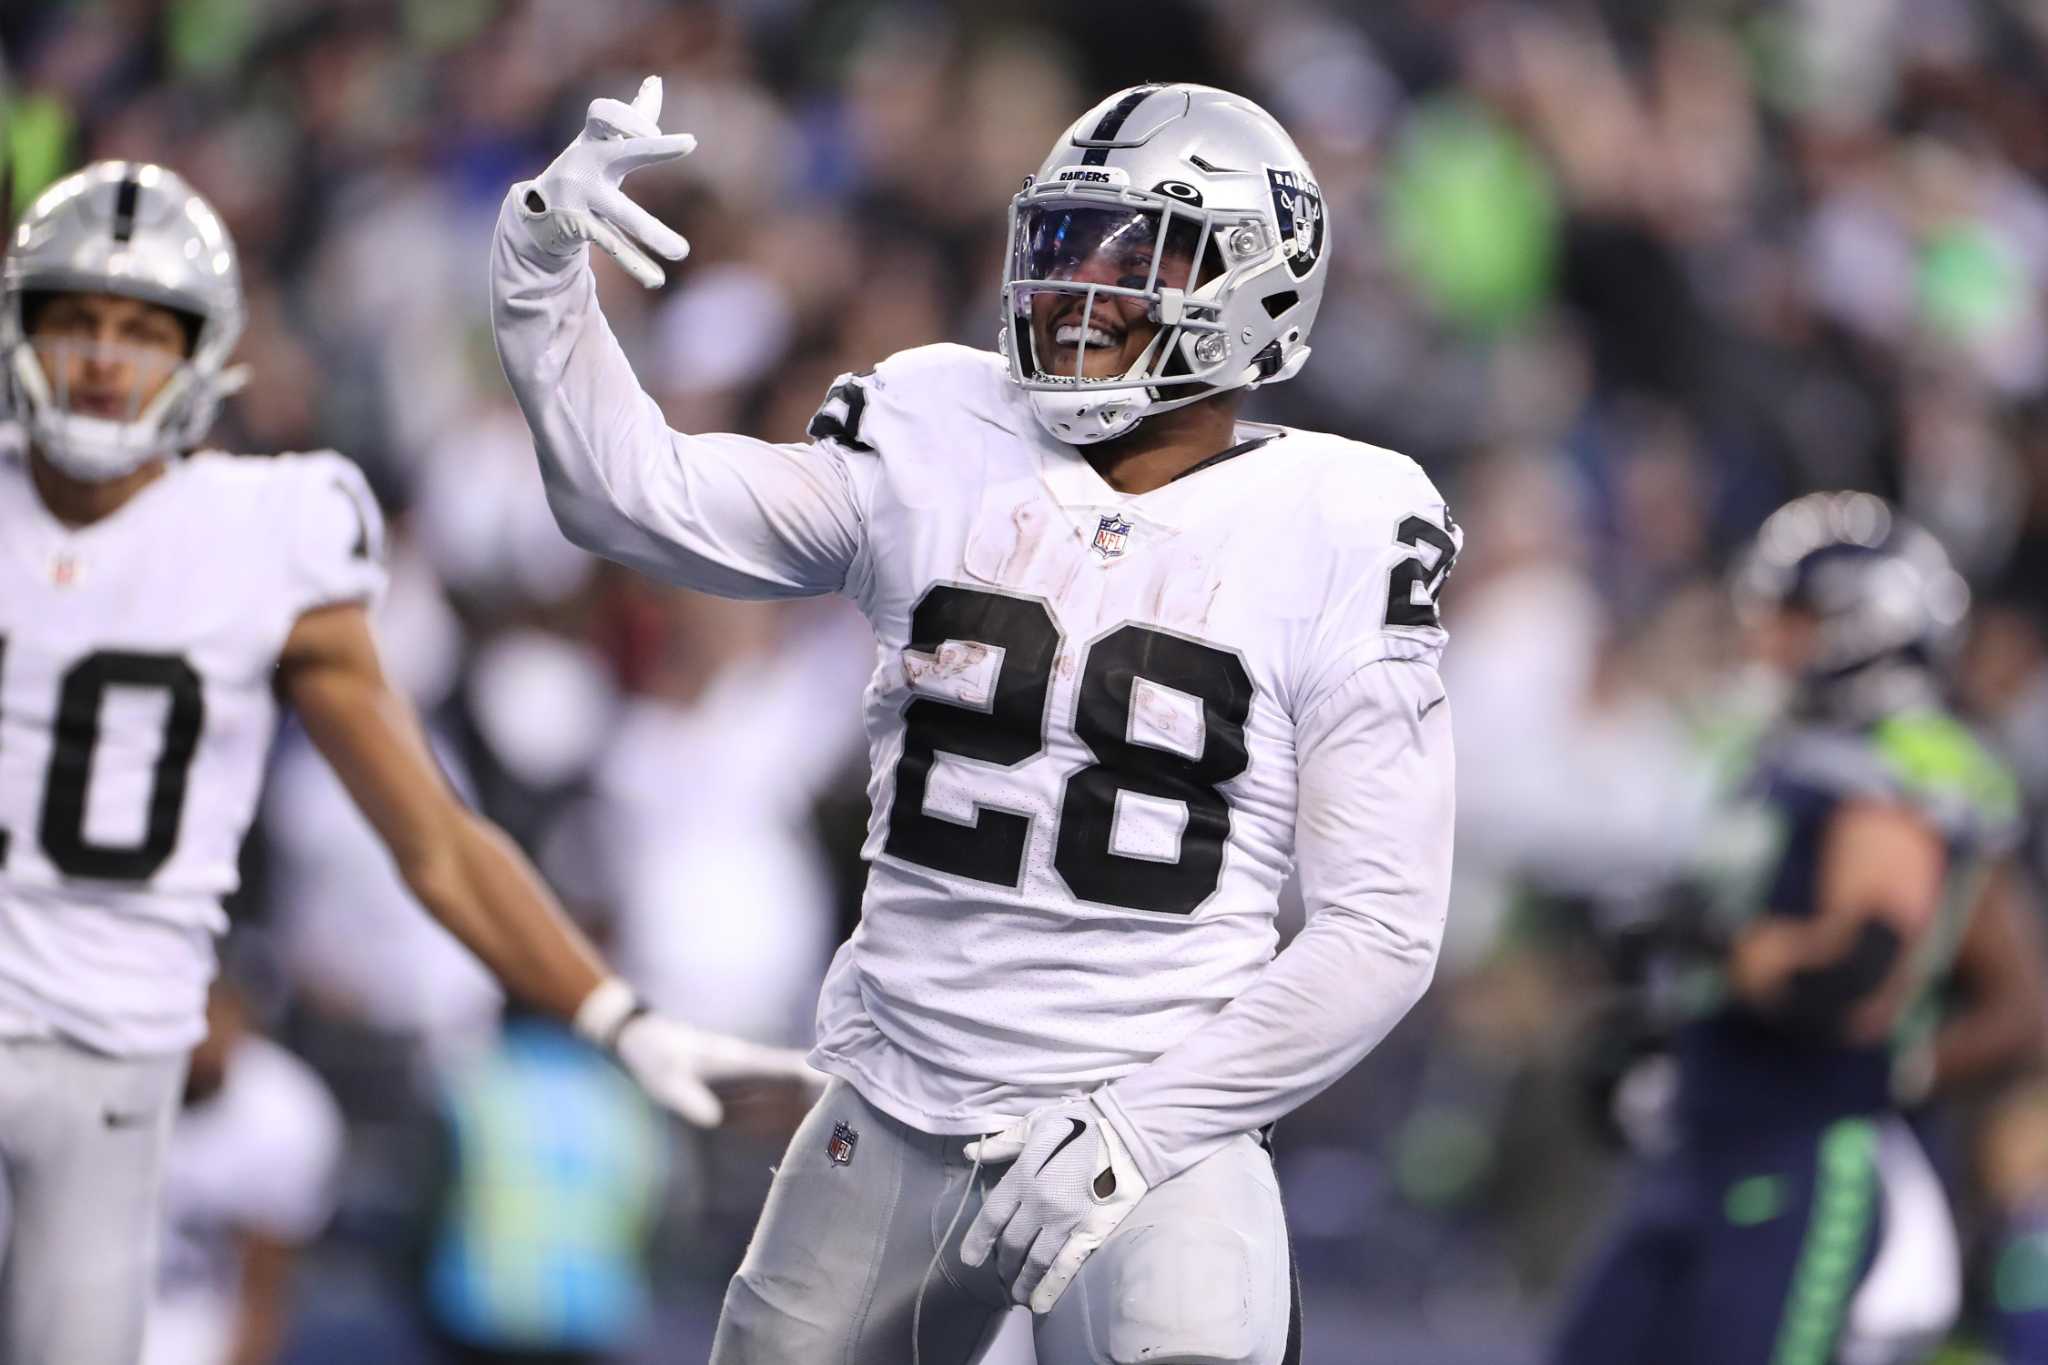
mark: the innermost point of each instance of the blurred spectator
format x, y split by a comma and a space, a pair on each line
249, 1181
551, 1172
725, 906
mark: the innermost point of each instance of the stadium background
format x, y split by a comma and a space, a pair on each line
1621, 276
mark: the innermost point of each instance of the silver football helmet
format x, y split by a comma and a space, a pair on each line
1184, 205
139, 231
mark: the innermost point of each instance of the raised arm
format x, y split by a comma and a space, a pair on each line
723, 514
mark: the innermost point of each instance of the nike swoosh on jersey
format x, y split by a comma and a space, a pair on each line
1423, 710
1079, 1128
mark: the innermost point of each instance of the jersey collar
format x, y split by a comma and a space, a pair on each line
1074, 482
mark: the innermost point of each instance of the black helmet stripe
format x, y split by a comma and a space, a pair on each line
124, 207
1112, 122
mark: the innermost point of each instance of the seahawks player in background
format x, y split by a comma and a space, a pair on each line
1861, 866
152, 607
1136, 660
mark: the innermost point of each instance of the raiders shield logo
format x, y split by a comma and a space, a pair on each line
1298, 207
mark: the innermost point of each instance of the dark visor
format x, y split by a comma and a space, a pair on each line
1110, 246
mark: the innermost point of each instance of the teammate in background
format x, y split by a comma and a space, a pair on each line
149, 605
1136, 660
1796, 1218
249, 1180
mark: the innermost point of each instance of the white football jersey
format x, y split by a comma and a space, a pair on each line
136, 710
1087, 718
1082, 726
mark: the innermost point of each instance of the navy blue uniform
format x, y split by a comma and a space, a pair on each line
1748, 1243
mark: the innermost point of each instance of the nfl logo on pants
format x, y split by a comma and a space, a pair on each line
841, 1144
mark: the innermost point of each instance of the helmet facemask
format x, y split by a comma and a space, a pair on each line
129, 403
1113, 304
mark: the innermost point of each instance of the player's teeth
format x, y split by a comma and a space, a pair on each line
1071, 333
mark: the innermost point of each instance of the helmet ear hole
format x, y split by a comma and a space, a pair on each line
1276, 304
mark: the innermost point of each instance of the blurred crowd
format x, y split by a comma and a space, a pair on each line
1622, 275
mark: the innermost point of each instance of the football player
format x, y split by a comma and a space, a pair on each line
1795, 1218
153, 607
1137, 659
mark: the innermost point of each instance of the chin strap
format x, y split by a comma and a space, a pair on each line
99, 448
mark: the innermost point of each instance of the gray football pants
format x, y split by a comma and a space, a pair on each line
1196, 1275
82, 1140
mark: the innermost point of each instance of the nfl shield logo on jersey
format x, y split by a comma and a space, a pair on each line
840, 1147
1110, 535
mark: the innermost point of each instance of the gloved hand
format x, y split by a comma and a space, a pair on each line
1070, 1185
675, 1064
577, 199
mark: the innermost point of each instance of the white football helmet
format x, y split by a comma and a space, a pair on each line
1193, 201
139, 231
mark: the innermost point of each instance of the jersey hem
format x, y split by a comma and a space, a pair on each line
974, 1123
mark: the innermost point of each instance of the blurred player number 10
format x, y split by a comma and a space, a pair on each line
80, 694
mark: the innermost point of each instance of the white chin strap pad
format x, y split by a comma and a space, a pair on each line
1081, 418
95, 449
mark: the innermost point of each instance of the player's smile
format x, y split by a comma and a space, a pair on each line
1115, 333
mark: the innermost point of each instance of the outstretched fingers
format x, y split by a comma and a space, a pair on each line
643, 227
635, 262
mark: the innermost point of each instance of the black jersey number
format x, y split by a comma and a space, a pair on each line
1413, 586
79, 698
998, 650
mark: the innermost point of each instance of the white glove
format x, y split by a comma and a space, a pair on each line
1071, 1184
675, 1064
577, 199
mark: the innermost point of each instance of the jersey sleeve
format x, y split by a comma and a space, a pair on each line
1391, 543
335, 534
1373, 839
724, 514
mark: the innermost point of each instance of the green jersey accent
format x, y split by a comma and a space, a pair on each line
1754, 1199
2020, 1281
1936, 758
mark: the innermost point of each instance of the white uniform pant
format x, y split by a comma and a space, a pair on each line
1198, 1274
82, 1140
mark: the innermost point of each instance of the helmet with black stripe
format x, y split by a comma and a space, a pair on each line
138, 231
1173, 245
